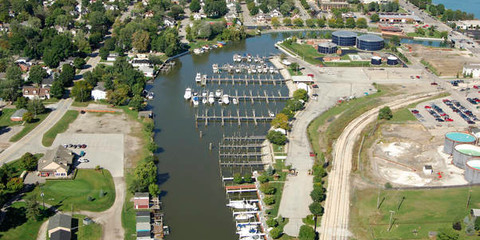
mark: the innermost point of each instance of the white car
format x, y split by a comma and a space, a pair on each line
83, 160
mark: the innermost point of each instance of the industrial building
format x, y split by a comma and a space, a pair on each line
399, 18
344, 38
327, 48
453, 139
472, 69
370, 42
463, 153
472, 171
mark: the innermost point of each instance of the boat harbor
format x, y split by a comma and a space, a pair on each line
219, 79
229, 117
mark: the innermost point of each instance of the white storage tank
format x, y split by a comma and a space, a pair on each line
392, 60
463, 153
376, 60
472, 171
452, 139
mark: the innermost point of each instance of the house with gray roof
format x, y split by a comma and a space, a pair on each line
61, 235
18, 115
59, 222
56, 162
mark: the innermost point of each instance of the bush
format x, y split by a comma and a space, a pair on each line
316, 209
272, 222
28, 117
388, 185
29, 162
248, 178
262, 179
306, 233
237, 178
318, 194
267, 189
276, 233
276, 138
269, 200
300, 94
457, 226
385, 113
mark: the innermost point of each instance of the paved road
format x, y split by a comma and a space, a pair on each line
337, 205
32, 142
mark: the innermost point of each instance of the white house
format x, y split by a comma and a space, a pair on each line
137, 62
99, 92
169, 22
276, 13
112, 57
147, 71
473, 69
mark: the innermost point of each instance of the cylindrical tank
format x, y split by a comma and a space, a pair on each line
452, 139
462, 153
327, 48
344, 38
370, 42
392, 60
376, 60
472, 171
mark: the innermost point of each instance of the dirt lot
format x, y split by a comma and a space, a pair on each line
402, 150
112, 123
448, 62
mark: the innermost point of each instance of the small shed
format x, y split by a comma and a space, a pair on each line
143, 227
143, 219
428, 169
475, 212
141, 200
143, 214
143, 235
87, 221
61, 235
18, 115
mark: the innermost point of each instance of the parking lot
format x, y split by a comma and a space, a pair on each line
104, 150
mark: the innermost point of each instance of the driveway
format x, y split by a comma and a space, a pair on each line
32, 142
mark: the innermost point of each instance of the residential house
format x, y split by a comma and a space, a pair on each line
56, 162
24, 67
276, 13
4, 27
230, 16
169, 22
99, 92
48, 81
61, 235
138, 62
261, 17
59, 222
141, 200
199, 16
32, 92
147, 71
24, 60
66, 61
18, 115
112, 57
149, 14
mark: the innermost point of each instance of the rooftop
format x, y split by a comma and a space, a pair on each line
370, 38
343, 33
60, 220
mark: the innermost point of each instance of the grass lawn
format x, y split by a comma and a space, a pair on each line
60, 127
421, 211
17, 226
436, 34
17, 165
72, 194
308, 52
128, 213
273, 212
430, 67
87, 232
402, 115
348, 64
29, 126
5, 117
294, 73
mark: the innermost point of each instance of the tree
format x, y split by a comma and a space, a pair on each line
350, 23
269, 200
145, 174
362, 23
215, 8
10, 86
36, 74
374, 18
287, 22
195, 6
395, 40
321, 22
154, 190
79, 63
318, 194
298, 22
82, 91
141, 40
339, 22
237, 178
67, 75
272, 222
254, 11
57, 89
176, 12
28, 117
385, 113
332, 23
247, 177
275, 22
36, 107
447, 234
310, 23
103, 52
280, 121
32, 207
21, 102
300, 94
268, 189
316, 209
276, 233
136, 103
420, 31
306, 233
276, 137
28, 162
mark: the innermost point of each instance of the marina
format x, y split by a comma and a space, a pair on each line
219, 79
223, 117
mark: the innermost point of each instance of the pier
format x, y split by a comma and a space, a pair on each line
242, 80
232, 118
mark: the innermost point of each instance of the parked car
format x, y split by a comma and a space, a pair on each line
312, 154
83, 160
415, 111
82, 153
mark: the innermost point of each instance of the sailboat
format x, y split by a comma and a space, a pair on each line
244, 216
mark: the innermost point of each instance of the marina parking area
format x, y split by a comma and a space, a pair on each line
104, 150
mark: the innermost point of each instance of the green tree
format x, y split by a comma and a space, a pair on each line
215, 8
21, 102
276, 233
275, 22
298, 22
276, 137
269, 200
310, 23
195, 6
362, 23
136, 103
67, 75
321, 23
395, 41
447, 234
306, 233
374, 18
28, 117
247, 178
32, 207
287, 22
141, 41
316, 208
280, 121
385, 113
272, 222
28, 162
268, 189
318, 194
332, 23
339, 22
79, 63
103, 52
57, 89
350, 23
36, 74
145, 174
154, 190
237, 178
176, 12
82, 91
10, 86
36, 107
300, 94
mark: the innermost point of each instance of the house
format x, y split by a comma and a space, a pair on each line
472, 69
24, 67
48, 81
59, 222
99, 92
199, 16
112, 57
61, 235
144, 235
141, 200
169, 22
66, 61
147, 71
149, 14
32, 92
276, 13
138, 62
230, 16
468, 24
56, 163
18, 115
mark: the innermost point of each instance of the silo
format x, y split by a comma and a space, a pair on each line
392, 60
376, 60
472, 171
454, 138
344, 38
462, 153
327, 48
370, 42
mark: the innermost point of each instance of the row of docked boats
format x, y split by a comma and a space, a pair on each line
208, 97
248, 58
206, 48
248, 226
245, 68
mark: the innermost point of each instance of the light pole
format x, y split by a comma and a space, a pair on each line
390, 222
43, 200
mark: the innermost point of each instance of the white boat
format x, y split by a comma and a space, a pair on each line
247, 230
242, 205
195, 101
198, 78
188, 93
271, 114
244, 216
204, 100
204, 93
198, 51
235, 101
225, 99
150, 95
211, 98
218, 93
220, 101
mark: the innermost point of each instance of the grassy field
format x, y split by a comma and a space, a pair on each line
403, 115
60, 127
17, 226
128, 213
348, 64
72, 194
294, 72
87, 232
436, 34
421, 211
5, 117
273, 212
30, 126
309, 53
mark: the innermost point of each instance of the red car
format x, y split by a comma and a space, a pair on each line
475, 86
446, 100
449, 120
312, 154
434, 83
310, 75
428, 107
418, 77
415, 111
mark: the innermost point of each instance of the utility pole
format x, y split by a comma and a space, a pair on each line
390, 222
43, 200
378, 198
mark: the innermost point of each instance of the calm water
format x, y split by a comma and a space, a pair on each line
195, 199
470, 6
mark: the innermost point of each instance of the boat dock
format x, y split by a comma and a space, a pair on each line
242, 80
259, 97
232, 118
241, 146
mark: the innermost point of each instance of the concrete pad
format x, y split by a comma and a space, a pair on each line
105, 150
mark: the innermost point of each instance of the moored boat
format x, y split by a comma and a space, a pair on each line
188, 93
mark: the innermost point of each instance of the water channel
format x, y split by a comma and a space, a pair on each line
194, 197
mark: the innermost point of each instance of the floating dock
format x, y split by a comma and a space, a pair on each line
242, 80
232, 118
